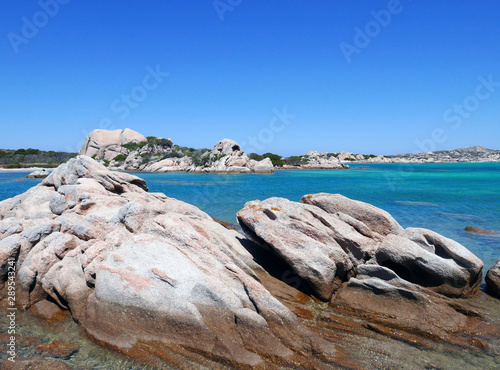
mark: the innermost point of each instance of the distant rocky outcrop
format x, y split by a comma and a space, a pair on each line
227, 156
476, 153
129, 150
106, 145
39, 174
316, 160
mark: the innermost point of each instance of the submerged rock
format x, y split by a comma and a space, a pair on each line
39, 174
58, 349
477, 230
144, 273
493, 278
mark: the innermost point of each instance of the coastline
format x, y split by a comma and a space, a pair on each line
30, 169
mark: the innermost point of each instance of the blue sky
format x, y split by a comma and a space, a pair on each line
373, 77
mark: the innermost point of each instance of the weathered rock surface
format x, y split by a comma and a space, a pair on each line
30, 363
105, 144
39, 174
493, 278
358, 258
227, 157
58, 349
326, 237
374, 218
145, 273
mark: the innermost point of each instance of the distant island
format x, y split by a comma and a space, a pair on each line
128, 150
29, 158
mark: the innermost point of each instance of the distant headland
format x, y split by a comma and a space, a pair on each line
128, 150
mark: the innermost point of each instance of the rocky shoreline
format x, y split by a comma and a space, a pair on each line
161, 281
127, 150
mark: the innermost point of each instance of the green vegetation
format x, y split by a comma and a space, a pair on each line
106, 162
172, 155
22, 158
163, 143
120, 158
369, 156
200, 157
19, 165
200, 160
296, 160
349, 159
219, 156
134, 146
276, 159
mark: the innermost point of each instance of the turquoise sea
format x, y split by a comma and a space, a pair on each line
442, 197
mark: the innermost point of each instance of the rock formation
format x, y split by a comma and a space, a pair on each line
152, 154
493, 278
227, 156
145, 273
475, 153
359, 259
105, 144
322, 161
39, 174
326, 237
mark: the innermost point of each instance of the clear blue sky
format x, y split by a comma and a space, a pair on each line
229, 70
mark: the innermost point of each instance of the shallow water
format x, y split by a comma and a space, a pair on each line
443, 197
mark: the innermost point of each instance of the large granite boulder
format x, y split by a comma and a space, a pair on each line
326, 237
374, 218
263, 166
183, 164
493, 278
145, 273
105, 144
